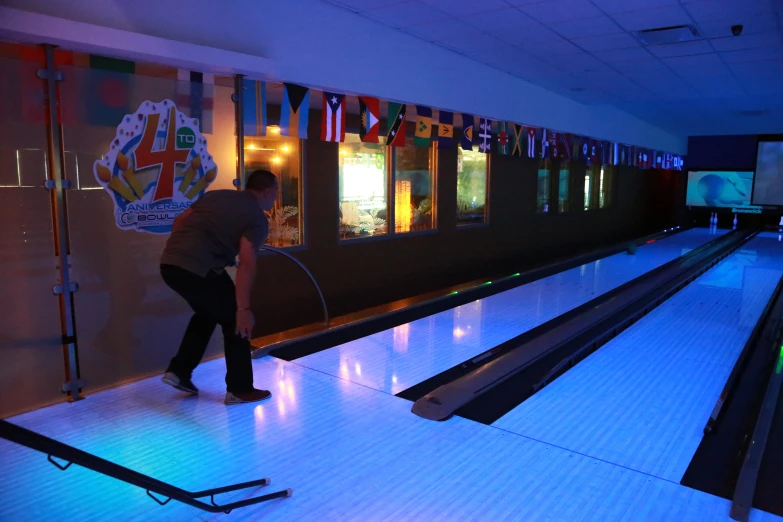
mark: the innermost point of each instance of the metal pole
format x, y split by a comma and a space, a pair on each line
239, 120
56, 183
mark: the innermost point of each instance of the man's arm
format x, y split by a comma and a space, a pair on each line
245, 276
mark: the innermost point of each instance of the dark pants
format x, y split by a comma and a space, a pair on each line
213, 299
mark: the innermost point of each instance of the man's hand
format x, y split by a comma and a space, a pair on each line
246, 273
245, 323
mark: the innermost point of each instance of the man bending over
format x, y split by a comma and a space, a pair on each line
204, 240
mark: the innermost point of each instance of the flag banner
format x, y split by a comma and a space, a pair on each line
294, 111
370, 111
467, 132
396, 124
445, 129
254, 107
531, 142
502, 137
485, 135
196, 91
333, 117
546, 151
518, 140
423, 134
566, 140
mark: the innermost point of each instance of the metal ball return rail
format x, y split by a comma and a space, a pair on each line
306, 271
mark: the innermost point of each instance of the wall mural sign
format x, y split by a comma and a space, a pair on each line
158, 165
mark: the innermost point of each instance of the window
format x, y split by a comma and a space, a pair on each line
592, 186
414, 187
605, 186
363, 188
542, 200
472, 175
563, 188
282, 156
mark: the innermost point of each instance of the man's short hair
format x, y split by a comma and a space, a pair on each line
260, 180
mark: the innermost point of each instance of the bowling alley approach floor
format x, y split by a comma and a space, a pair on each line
351, 450
349, 453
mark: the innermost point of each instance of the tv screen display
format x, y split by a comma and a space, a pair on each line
719, 189
769, 174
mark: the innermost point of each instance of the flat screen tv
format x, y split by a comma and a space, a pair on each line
768, 189
719, 189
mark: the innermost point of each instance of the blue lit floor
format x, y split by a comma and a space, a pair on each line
398, 358
350, 453
642, 400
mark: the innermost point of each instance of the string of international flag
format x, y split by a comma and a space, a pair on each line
507, 138
195, 91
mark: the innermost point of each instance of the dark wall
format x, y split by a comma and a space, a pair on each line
358, 274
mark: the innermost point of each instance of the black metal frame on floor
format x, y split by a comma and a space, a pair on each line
745, 489
71, 455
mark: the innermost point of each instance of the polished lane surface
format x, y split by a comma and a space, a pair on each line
642, 400
398, 358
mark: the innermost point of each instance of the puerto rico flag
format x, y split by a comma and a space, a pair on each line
531, 142
333, 117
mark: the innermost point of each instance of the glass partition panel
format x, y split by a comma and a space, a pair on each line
130, 323
30, 347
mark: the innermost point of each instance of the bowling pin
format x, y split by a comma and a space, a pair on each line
781, 222
546, 208
735, 220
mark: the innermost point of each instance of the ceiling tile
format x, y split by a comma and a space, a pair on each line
752, 55
363, 5
751, 41
726, 88
625, 6
459, 8
751, 25
768, 69
480, 43
406, 14
576, 62
681, 49
653, 18
605, 43
586, 27
702, 61
438, 30
553, 47
495, 54
708, 10
625, 55
523, 2
642, 66
553, 11
501, 19
763, 89
535, 37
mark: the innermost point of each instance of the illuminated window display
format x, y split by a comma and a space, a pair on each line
282, 156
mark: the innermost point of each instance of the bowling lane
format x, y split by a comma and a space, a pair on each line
642, 399
398, 358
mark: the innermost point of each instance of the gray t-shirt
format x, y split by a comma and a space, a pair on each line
208, 237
